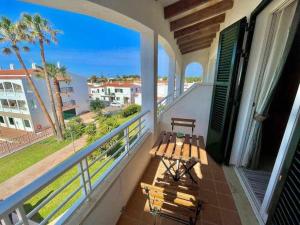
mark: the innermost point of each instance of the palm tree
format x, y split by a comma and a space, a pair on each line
56, 72
13, 34
41, 31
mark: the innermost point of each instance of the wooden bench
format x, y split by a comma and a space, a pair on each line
171, 204
183, 123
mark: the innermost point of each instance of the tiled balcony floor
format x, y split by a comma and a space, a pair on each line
212, 188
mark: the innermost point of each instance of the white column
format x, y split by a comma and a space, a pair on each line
179, 81
171, 78
149, 42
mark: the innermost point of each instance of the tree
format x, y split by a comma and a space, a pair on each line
14, 34
97, 105
93, 79
41, 31
55, 73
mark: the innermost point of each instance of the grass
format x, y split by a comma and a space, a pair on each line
58, 199
21, 160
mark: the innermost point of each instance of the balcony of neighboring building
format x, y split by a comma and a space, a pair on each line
66, 90
14, 106
10, 89
67, 105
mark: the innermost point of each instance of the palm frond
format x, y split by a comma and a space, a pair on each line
26, 48
6, 51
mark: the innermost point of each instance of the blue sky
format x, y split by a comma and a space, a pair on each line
87, 46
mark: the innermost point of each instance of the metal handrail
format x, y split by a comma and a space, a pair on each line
16, 201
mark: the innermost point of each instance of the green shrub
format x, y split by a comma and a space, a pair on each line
130, 110
75, 128
97, 105
90, 129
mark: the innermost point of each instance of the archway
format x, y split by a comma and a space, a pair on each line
193, 74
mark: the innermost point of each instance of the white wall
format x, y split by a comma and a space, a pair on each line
195, 104
80, 94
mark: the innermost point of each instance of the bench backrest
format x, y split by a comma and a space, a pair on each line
175, 121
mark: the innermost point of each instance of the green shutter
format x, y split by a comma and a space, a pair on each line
229, 53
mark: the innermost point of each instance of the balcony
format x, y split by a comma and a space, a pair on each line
69, 105
82, 175
66, 90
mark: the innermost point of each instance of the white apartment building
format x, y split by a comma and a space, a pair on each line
121, 92
19, 108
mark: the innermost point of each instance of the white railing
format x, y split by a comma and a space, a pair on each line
77, 177
164, 102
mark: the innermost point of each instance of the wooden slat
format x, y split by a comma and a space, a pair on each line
195, 47
183, 119
185, 51
171, 146
186, 148
157, 143
198, 26
163, 147
169, 192
201, 15
194, 149
197, 40
205, 32
181, 6
202, 152
183, 124
195, 43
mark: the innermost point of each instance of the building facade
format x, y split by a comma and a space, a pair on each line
19, 108
119, 92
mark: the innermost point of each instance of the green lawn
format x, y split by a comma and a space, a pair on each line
19, 161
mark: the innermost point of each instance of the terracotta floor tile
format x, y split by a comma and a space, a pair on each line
211, 214
127, 220
206, 184
218, 175
222, 188
209, 197
230, 217
226, 202
212, 188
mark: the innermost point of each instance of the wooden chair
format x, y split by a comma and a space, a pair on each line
171, 204
183, 123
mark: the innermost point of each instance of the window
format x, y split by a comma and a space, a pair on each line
119, 90
17, 87
1, 87
13, 103
4, 103
8, 86
11, 121
22, 104
27, 123
1, 119
118, 98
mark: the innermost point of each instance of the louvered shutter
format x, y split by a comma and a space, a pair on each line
229, 53
287, 210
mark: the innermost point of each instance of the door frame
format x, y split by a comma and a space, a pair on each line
293, 124
246, 111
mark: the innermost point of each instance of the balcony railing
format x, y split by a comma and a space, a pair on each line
164, 102
66, 90
69, 104
78, 176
